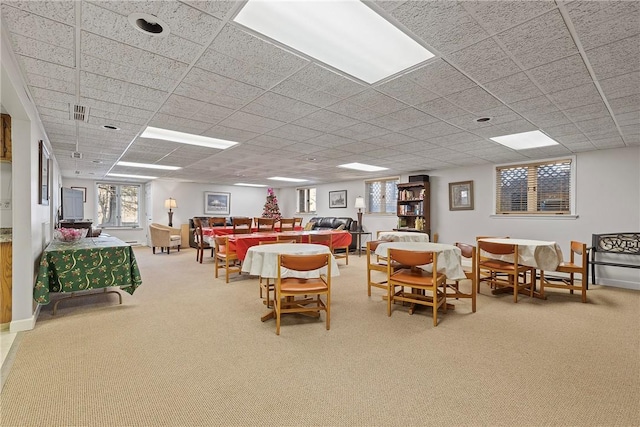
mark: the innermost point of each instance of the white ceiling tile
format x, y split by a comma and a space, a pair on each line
354, 111
442, 109
576, 96
513, 88
497, 16
474, 100
539, 41
406, 90
562, 74
325, 80
617, 58
33, 48
602, 22
621, 86
61, 11
218, 8
296, 90
484, 61
38, 28
441, 78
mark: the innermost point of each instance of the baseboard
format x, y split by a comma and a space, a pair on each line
24, 324
618, 283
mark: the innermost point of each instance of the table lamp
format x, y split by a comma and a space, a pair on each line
360, 205
170, 204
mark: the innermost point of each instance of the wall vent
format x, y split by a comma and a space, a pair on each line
79, 113
76, 155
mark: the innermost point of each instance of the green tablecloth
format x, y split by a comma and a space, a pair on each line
90, 263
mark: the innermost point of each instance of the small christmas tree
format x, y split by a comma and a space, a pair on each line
271, 209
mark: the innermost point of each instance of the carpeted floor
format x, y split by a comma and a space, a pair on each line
189, 350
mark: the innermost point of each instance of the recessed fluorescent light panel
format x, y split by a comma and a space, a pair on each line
124, 175
242, 184
148, 166
362, 167
525, 140
282, 178
347, 35
186, 138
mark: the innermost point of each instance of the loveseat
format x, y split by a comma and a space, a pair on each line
332, 223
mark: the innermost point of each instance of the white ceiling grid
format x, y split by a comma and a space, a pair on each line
571, 69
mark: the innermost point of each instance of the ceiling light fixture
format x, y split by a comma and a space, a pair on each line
124, 175
525, 140
362, 167
148, 166
347, 35
186, 138
242, 184
281, 178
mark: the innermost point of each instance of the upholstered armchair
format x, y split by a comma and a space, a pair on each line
163, 236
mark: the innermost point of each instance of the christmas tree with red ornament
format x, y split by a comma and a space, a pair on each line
271, 209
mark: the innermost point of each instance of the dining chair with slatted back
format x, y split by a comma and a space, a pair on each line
264, 224
297, 222
572, 267
225, 258
198, 238
322, 239
287, 224
217, 222
426, 286
266, 285
468, 253
504, 273
375, 263
303, 295
241, 225
290, 238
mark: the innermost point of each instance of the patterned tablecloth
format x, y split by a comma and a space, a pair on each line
90, 263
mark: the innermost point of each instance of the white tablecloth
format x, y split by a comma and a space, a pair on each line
448, 256
403, 236
262, 260
540, 254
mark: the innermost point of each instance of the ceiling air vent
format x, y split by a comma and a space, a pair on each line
76, 155
79, 113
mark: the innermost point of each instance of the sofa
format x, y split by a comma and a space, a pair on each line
332, 223
163, 236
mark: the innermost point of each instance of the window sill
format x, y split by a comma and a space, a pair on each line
524, 216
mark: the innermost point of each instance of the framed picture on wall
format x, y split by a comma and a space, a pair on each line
217, 203
338, 199
43, 177
461, 196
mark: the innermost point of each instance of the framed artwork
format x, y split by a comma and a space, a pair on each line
43, 180
217, 203
84, 192
461, 196
338, 199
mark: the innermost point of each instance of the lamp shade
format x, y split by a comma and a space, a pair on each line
360, 203
170, 203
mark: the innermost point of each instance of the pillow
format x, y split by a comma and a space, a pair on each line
309, 226
340, 227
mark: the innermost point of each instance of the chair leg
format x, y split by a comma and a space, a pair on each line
168, 250
153, 248
328, 310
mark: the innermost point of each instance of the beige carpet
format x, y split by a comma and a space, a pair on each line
189, 350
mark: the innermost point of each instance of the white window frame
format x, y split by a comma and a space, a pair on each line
119, 186
539, 214
305, 193
382, 181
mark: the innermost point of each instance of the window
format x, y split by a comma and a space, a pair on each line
540, 188
382, 195
118, 205
306, 200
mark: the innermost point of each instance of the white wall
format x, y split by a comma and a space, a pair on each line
607, 201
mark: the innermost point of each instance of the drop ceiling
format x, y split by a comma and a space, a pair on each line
570, 69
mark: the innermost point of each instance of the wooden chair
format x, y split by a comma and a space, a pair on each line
504, 273
224, 255
296, 295
241, 225
322, 239
198, 238
453, 287
485, 276
287, 224
280, 238
265, 285
265, 224
217, 222
340, 255
578, 251
297, 221
377, 263
420, 281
